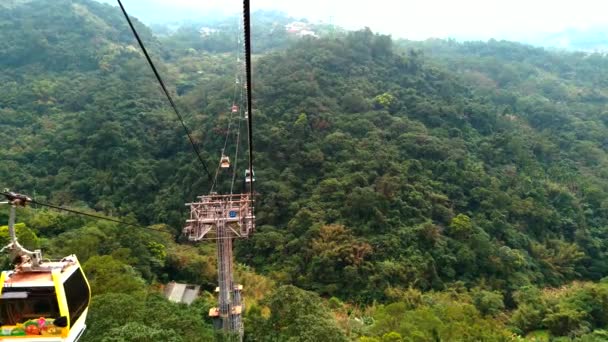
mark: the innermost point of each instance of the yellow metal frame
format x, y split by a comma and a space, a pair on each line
86, 280
61, 300
2, 280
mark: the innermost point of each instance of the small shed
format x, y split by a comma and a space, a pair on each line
182, 293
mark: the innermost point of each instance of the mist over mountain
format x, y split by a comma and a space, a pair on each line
581, 37
594, 39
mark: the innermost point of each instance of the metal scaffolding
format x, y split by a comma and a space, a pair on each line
223, 218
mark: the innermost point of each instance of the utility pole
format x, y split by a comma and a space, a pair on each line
223, 218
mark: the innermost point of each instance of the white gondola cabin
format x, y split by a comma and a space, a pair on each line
249, 177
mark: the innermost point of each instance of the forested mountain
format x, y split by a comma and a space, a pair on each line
408, 191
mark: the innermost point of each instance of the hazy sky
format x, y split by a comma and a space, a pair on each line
414, 19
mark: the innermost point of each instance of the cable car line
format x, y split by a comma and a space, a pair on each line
236, 112
247, 29
24, 199
240, 110
226, 217
236, 149
249, 174
36, 278
237, 142
164, 88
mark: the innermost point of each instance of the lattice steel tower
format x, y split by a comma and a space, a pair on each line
226, 217
223, 218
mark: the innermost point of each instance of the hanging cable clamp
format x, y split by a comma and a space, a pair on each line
16, 199
22, 257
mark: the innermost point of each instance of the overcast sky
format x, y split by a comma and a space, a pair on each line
413, 19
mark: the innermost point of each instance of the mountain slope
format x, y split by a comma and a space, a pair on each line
476, 170
396, 150
433, 179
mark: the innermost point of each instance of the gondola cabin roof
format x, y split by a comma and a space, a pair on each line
29, 279
41, 276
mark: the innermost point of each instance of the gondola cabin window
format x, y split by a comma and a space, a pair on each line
77, 295
18, 305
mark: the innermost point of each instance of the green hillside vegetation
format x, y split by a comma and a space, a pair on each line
409, 191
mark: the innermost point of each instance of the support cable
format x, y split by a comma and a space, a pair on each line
240, 114
231, 117
236, 149
10, 196
164, 88
247, 28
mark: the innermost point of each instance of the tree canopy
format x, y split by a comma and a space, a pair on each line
408, 191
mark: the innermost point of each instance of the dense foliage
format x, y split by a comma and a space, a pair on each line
409, 191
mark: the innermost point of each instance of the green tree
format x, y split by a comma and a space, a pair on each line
138, 332
108, 275
298, 315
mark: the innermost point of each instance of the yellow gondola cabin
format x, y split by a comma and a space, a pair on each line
41, 301
49, 305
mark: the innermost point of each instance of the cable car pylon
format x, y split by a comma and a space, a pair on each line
225, 217
222, 217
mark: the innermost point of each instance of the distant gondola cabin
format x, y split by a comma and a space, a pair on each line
49, 303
